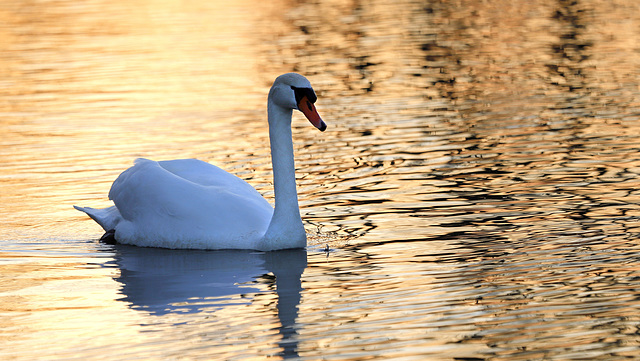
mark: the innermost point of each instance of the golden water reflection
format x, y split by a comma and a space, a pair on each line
83, 82
477, 184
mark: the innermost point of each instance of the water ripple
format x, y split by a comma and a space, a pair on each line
475, 196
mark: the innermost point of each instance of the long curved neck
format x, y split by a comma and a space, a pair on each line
286, 225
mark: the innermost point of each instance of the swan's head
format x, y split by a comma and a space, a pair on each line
293, 91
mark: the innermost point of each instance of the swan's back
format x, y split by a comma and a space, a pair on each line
187, 204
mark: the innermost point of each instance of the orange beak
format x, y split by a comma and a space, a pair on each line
309, 110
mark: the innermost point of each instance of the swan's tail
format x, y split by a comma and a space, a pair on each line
107, 218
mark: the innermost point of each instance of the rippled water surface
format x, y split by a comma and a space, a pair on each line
477, 187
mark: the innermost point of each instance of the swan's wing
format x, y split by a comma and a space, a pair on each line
187, 199
208, 175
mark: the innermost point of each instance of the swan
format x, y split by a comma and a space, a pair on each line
191, 204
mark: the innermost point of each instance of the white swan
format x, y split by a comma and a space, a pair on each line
192, 204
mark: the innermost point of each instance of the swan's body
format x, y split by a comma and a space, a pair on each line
192, 204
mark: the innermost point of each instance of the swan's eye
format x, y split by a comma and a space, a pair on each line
304, 92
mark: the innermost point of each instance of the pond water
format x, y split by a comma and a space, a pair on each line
477, 186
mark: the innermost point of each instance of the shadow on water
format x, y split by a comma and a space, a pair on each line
164, 282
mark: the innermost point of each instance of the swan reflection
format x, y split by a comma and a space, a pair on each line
161, 282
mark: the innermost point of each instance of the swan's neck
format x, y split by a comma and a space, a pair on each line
285, 226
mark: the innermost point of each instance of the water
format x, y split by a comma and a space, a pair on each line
477, 185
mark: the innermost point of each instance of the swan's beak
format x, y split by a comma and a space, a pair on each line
309, 110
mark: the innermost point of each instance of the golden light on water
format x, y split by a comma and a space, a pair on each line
477, 183
114, 83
